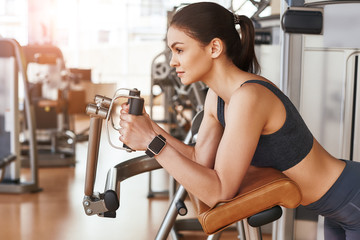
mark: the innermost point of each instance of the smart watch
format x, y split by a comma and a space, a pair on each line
156, 145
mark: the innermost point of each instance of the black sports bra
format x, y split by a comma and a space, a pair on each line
284, 148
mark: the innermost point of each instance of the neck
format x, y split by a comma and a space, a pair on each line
224, 80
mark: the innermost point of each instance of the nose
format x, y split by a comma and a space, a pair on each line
173, 61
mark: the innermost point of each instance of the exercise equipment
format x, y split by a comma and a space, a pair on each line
12, 70
302, 20
50, 93
105, 204
326, 64
257, 202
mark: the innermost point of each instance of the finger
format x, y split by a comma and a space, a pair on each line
122, 124
125, 120
122, 138
129, 118
123, 134
121, 131
124, 117
125, 106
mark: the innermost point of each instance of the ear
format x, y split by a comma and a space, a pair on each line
216, 47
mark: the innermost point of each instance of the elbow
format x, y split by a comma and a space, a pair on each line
214, 200
215, 189
221, 194
211, 202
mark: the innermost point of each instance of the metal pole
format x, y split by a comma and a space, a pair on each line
92, 154
171, 215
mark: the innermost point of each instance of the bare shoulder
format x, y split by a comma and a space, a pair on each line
258, 103
252, 101
247, 94
250, 92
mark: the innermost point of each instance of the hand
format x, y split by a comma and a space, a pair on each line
136, 131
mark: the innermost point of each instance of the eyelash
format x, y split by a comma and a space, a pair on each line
178, 50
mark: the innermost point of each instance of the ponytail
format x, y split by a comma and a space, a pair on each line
245, 57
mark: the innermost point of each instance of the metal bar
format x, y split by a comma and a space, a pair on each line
30, 115
171, 215
92, 154
111, 181
241, 230
353, 120
215, 236
251, 232
285, 225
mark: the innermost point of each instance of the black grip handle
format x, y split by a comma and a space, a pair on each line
136, 105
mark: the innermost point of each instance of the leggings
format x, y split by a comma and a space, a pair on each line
341, 205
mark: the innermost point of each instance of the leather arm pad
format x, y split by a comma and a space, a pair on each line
261, 189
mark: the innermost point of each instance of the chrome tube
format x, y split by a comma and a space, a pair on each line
171, 215
92, 154
112, 183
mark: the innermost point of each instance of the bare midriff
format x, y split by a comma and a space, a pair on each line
316, 173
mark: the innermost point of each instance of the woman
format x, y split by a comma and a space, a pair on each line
262, 127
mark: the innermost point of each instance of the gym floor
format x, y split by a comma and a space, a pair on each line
56, 213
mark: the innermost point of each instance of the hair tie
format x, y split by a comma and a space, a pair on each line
237, 19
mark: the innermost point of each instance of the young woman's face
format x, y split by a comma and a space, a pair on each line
191, 60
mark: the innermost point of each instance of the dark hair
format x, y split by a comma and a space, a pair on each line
205, 21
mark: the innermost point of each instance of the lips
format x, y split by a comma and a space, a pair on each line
179, 73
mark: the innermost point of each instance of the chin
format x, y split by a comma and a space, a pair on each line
183, 81
187, 81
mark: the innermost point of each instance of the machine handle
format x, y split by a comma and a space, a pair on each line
136, 106
107, 203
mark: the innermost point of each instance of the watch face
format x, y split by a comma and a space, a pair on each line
156, 145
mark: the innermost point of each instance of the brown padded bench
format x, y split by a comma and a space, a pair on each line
261, 189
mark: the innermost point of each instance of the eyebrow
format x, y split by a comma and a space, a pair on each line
172, 45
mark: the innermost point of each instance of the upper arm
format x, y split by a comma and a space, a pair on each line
245, 120
210, 133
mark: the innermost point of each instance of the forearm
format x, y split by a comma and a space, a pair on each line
185, 150
199, 180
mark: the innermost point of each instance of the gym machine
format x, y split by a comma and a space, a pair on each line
105, 204
320, 62
12, 70
247, 209
49, 90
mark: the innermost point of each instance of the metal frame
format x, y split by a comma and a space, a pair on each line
10, 48
60, 149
